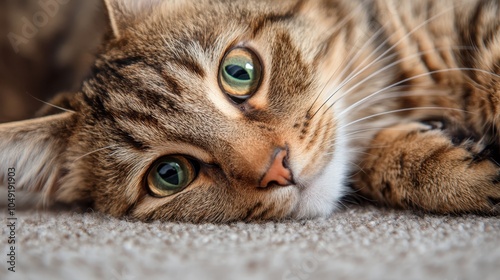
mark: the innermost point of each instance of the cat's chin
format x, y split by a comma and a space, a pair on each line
322, 196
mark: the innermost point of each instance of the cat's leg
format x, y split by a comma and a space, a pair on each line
421, 166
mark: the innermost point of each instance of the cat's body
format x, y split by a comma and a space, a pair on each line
396, 98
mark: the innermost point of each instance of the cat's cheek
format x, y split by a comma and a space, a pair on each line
148, 205
322, 195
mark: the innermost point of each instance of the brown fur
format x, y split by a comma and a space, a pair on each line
43, 61
154, 92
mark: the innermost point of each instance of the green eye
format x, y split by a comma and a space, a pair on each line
240, 74
170, 174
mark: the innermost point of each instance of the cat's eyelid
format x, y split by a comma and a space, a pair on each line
186, 149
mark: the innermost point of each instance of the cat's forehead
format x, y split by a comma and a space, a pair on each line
203, 30
162, 75
181, 51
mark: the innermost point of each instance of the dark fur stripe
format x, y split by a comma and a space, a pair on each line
128, 138
273, 18
126, 61
189, 63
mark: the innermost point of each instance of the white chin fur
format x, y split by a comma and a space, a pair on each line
322, 196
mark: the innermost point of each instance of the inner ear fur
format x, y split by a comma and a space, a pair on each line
33, 154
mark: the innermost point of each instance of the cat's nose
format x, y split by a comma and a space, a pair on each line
278, 172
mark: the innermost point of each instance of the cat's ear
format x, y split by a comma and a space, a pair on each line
32, 154
121, 13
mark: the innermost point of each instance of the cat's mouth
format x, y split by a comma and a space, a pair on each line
321, 181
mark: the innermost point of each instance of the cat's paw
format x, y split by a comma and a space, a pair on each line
430, 167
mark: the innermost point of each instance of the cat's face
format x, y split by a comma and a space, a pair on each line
209, 111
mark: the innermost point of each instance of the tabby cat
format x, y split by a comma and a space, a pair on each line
218, 111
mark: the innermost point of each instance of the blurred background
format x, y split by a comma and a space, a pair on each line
46, 48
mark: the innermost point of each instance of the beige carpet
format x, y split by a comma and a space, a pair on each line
358, 243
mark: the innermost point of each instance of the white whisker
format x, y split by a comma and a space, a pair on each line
407, 35
413, 78
399, 111
376, 60
346, 67
386, 68
95, 151
363, 131
49, 104
357, 53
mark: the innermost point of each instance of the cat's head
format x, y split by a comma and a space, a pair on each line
200, 111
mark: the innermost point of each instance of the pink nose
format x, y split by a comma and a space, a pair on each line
277, 172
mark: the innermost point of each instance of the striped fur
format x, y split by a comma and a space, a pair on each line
396, 98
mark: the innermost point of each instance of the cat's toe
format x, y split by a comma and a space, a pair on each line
483, 191
427, 170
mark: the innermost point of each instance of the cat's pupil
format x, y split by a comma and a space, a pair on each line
240, 74
170, 172
237, 72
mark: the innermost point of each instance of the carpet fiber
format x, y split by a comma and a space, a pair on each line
357, 243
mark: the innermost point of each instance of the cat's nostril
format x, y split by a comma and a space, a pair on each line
278, 172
